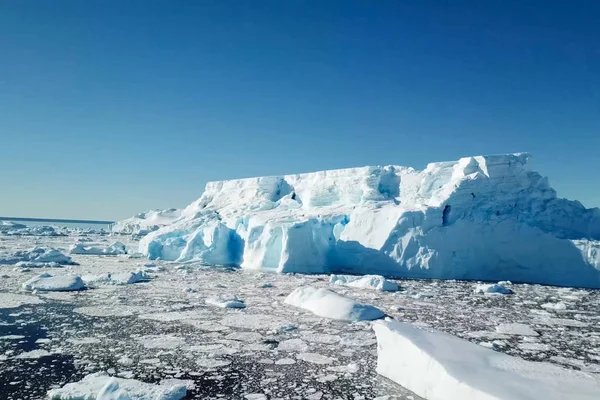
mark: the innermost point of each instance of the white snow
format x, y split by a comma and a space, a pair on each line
328, 304
226, 301
479, 218
146, 222
99, 386
374, 282
49, 283
36, 257
493, 288
438, 366
114, 249
13, 300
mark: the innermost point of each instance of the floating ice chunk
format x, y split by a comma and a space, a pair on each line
554, 306
328, 304
516, 329
100, 386
493, 288
36, 257
34, 354
438, 366
119, 278
49, 283
374, 282
114, 249
225, 301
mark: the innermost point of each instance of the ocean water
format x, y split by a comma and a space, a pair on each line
69, 224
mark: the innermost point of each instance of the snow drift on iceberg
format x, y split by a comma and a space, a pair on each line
480, 218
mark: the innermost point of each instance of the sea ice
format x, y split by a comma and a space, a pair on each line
99, 386
374, 282
49, 283
328, 304
439, 366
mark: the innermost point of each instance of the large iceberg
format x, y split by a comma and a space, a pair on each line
143, 223
481, 218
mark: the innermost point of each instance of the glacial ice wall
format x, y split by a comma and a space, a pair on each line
483, 217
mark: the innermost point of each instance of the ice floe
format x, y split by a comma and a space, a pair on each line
100, 386
492, 288
49, 283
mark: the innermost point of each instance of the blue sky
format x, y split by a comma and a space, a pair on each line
108, 108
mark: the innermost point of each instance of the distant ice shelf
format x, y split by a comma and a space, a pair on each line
481, 218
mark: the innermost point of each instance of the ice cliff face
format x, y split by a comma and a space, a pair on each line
484, 217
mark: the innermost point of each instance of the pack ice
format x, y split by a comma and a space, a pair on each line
480, 218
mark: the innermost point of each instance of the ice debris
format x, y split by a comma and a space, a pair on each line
114, 249
492, 288
374, 282
328, 304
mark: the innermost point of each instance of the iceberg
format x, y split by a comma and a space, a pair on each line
6, 226
486, 218
439, 366
146, 222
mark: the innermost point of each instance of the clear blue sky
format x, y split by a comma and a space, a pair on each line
112, 107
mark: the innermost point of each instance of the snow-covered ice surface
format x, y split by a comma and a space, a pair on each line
48, 283
439, 366
158, 329
479, 218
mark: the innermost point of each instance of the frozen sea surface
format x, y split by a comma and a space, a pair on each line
164, 329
